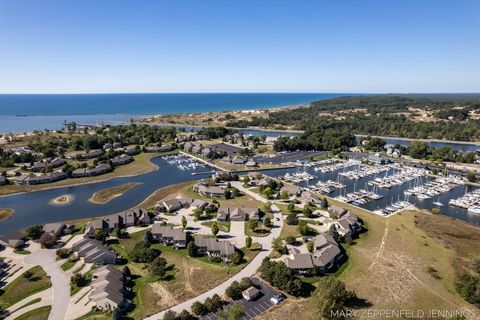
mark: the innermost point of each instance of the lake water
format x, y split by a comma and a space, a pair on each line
28, 112
391, 195
34, 207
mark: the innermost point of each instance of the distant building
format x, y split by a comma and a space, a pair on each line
45, 166
121, 160
3, 181
87, 172
41, 179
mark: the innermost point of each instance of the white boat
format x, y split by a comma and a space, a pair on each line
438, 203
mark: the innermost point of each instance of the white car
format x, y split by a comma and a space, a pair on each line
277, 298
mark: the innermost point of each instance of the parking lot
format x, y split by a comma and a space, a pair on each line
255, 307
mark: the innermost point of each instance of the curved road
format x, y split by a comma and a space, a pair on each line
60, 281
249, 269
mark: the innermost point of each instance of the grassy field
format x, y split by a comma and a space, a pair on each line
106, 195
21, 287
141, 164
241, 201
162, 193
36, 314
222, 225
408, 261
27, 304
189, 277
67, 265
96, 315
5, 213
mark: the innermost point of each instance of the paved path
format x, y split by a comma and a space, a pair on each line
46, 300
60, 281
249, 269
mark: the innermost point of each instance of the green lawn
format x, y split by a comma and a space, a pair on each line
67, 265
27, 304
21, 251
36, 314
222, 225
96, 315
21, 287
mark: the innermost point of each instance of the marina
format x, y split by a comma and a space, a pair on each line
384, 189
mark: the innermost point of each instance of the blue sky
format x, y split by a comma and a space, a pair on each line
239, 46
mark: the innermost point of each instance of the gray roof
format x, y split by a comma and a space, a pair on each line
212, 244
168, 232
53, 227
300, 261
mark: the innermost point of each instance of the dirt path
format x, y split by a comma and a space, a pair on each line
376, 259
186, 272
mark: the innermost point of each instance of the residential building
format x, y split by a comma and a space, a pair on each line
58, 229
45, 166
94, 251
90, 172
3, 181
90, 155
107, 289
169, 236
12, 239
205, 190
214, 248
121, 160
26, 179
237, 214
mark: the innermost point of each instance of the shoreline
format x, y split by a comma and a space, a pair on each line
88, 182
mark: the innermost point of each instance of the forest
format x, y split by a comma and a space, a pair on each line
382, 116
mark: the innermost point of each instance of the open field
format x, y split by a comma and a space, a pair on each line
189, 277
5, 213
21, 287
162, 193
106, 195
36, 314
408, 261
141, 165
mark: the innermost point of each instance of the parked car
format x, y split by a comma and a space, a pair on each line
277, 298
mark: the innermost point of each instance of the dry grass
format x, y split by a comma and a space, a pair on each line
106, 195
162, 193
41, 313
5, 213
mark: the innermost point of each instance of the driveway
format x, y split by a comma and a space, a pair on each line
248, 270
45, 258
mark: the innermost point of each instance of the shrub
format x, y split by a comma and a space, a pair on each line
199, 308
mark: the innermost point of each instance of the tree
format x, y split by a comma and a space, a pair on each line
252, 224
290, 240
236, 312
324, 203
277, 244
79, 280
303, 228
284, 195
126, 272
143, 253
48, 239
233, 290
248, 242
267, 207
147, 237
468, 287
184, 315
215, 228
329, 295
116, 314
310, 246
158, 266
236, 258
246, 181
227, 194
267, 222
291, 207
307, 211
184, 222
235, 192
169, 315
192, 249
100, 235
28, 274
33, 232
280, 276
334, 233
199, 308
267, 193
292, 219
471, 176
